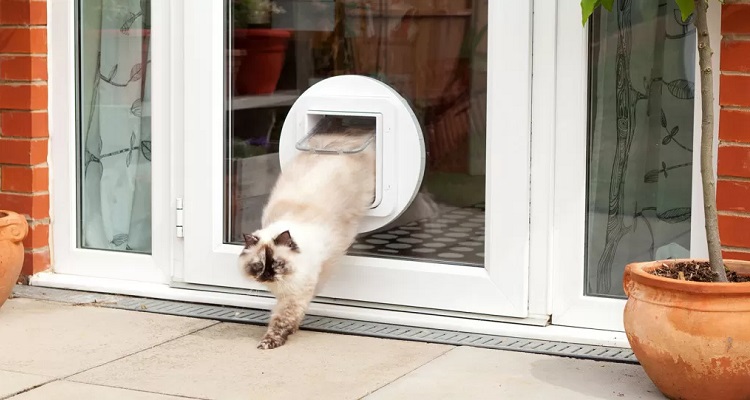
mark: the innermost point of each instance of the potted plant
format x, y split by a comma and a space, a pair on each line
259, 50
13, 229
688, 321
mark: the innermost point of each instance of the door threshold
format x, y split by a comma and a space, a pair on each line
535, 320
329, 324
161, 291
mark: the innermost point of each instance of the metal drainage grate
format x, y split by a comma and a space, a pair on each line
331, 325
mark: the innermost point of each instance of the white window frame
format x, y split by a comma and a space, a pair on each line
570, 307
510, 165
68, 258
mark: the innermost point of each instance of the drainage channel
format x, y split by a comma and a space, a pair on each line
330, 325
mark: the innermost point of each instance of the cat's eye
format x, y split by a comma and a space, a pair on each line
256, 267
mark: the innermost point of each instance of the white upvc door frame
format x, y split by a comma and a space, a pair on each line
500, 289
570, 307
68, 258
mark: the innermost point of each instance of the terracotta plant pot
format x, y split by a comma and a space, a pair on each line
263, 60
13, 229
692, 339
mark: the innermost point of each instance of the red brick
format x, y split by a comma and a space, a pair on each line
38, 236
31, 96
731, 195
23, 68
734, 230
735, 55
35, 262
24, 124
24, 179
35, 206
734, 18
736, 255
734, 161
23, 12
734, 125
23, 40
735, 90
23, 151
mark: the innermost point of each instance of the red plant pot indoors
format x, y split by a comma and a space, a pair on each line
260, 66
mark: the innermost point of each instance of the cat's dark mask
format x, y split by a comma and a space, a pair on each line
267, 262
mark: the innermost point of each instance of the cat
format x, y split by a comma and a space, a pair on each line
311, 219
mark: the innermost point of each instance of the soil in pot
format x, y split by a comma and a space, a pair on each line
695, 271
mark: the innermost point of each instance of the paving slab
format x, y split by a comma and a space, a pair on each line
15, 382
222, 362
57, 340
473, 373
62, 390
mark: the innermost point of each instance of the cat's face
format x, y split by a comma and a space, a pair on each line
268, 259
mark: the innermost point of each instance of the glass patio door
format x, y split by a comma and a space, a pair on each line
627, 186
462, 244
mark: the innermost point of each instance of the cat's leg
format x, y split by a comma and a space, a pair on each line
286, 318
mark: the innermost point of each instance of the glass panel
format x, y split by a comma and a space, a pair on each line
114, 124
432, 51
641, 75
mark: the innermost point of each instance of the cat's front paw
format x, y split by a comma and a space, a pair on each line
268, 343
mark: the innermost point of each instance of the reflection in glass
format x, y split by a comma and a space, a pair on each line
114, 98
433, 52
641, 66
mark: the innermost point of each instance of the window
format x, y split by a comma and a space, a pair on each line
433, 53
114, 125
640, 135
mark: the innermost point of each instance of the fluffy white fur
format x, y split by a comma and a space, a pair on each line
319, 199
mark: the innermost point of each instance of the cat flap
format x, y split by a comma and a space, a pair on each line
368, 113
359, 131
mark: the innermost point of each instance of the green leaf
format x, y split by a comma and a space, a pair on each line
686, 8
588, 7
608, 4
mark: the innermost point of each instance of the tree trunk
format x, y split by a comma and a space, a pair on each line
707, 140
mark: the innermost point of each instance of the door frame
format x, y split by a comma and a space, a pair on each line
570, 307
103, 271
63, 89
203, 244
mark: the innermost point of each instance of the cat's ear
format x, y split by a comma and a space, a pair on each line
285, 239
250, 240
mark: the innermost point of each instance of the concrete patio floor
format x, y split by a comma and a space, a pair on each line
60, 351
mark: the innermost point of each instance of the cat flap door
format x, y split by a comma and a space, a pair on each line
377, 116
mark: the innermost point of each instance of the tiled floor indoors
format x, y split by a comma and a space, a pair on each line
455, 235
61, 351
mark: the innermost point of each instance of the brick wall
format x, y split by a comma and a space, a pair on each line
733, 194
24, 176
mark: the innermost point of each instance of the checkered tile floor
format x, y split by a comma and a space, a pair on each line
455, 236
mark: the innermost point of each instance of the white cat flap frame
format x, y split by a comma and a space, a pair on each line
400, 148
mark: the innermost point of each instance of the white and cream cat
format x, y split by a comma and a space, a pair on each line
309, 222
